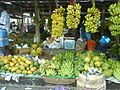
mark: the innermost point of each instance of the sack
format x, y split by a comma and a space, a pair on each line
91, 82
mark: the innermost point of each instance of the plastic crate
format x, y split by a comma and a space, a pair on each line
91, 45
69, 44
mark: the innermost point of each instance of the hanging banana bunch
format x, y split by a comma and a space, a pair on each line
58, 22
92, 17
114, 10
73, 16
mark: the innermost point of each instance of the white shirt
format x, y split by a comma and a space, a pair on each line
5, 20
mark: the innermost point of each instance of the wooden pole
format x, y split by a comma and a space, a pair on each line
103, 20
37, 29
50, 8
22, 23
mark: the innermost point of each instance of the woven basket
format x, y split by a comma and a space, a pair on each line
59, 81
22, 51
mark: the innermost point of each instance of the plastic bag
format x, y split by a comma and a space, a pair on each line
60, 88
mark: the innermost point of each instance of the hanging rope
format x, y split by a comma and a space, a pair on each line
93, 3
56, 2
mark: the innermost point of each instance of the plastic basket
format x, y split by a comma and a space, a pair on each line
91, 45
69, 44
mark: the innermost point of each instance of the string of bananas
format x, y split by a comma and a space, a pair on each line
117, 73
47, 68
92, 17
114, 27
73, 16
58, 22
67, 69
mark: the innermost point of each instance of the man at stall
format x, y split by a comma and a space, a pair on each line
4, 29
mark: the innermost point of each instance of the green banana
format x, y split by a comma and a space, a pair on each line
51, 72
117, 73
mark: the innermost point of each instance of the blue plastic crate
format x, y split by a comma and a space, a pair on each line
69, 44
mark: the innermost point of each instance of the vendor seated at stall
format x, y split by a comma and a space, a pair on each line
45, 33
83, 33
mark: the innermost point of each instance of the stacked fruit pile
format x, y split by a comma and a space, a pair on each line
89, 59
113, 68
36, 50
97, 60
73, 16
61, 64
58, 22
69, 64
114, 11
91, 23
18, 64
114, 49
47, 68
117, 73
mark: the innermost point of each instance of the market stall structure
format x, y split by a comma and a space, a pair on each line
69, 50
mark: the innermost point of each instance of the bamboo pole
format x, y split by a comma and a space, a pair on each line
37, 29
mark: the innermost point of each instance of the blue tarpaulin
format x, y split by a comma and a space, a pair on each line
104, 39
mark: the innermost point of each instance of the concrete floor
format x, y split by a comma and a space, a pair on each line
26, 83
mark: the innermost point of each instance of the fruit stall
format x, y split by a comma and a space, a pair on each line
73, 55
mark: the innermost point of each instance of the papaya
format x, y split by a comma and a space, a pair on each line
87, 59
1, 64
86, 67
25, 72
13, 69
22, 68
29, 72
97, 63
18, 71
33, 69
